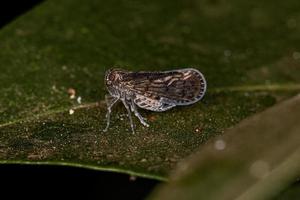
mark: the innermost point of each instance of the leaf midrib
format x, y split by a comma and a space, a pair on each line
245, 88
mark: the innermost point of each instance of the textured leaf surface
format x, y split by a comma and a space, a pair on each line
256, 159
247, 52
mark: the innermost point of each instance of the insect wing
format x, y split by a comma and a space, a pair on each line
160, 91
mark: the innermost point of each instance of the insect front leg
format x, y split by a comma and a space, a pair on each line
129, 114
110, 101
137, 114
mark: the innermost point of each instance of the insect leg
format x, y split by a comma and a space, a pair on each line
110, 101
137, 114
129, 115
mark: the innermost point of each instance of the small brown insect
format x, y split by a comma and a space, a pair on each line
155, 91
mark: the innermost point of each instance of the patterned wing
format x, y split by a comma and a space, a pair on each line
160, 91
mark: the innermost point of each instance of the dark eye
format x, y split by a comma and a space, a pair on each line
108, 82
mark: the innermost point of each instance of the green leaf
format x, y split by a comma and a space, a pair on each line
257, 159
247, 52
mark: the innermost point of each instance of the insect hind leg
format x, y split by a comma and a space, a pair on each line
129, 115
110, 101
137, 114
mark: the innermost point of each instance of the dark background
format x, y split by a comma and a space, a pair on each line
9, 10
30, 181
40, 181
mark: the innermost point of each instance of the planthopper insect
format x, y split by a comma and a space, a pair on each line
155, 91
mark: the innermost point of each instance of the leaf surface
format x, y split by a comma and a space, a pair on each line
247, 52
257, 159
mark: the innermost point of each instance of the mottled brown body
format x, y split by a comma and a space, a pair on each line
155, 91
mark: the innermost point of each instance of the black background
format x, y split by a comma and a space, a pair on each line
40, 181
